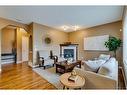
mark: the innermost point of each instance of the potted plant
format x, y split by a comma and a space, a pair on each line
113, 44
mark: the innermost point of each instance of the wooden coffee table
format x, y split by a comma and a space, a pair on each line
64, 66
79, 83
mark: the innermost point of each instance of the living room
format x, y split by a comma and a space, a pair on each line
50, 38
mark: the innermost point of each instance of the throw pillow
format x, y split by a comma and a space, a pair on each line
104, 57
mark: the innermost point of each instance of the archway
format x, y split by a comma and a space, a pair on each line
11, 44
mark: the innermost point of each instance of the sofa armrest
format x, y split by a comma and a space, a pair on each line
41, 57
55, 57
86, 67
96, 81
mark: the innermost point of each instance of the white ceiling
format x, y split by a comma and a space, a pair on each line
57, 16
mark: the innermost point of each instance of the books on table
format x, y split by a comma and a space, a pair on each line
73, 78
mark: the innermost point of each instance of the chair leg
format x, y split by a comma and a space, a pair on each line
63, 87
53, 65
44, 67
40, 65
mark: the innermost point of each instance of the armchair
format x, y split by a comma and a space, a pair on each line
58, 58
44, 58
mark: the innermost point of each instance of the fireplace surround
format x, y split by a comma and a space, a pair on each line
69, 51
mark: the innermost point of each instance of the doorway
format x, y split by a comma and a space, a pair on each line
25, 48
14, 45
8, 41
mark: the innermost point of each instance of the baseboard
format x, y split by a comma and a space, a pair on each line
19, 62
35, 66
31, 65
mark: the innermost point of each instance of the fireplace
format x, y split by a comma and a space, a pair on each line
69, 51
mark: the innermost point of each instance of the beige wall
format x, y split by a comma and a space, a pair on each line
4, 23
19, 45
8, 38
0, 51
31, 37
112, 29
30, 42
40, 32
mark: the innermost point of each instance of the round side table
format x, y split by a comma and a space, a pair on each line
79, 83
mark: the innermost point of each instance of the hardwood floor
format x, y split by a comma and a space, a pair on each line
21, 76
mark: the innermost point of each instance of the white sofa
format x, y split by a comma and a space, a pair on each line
105, 78
93, 65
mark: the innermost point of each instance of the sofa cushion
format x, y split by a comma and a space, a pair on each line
48, 62
104, 71
108, 68
94, 64
104, 56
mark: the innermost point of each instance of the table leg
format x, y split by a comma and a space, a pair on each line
80, 65
56, 68
63, 87
77, 88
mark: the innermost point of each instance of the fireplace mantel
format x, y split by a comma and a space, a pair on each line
68, 44
73, 47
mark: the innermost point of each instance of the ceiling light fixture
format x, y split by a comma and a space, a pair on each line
65, 27
75, 28
71, 27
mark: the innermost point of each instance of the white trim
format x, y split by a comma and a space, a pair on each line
25, 48
35, 66
31, 65
19, 62
69, 47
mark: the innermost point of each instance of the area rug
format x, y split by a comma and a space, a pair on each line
50, 75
